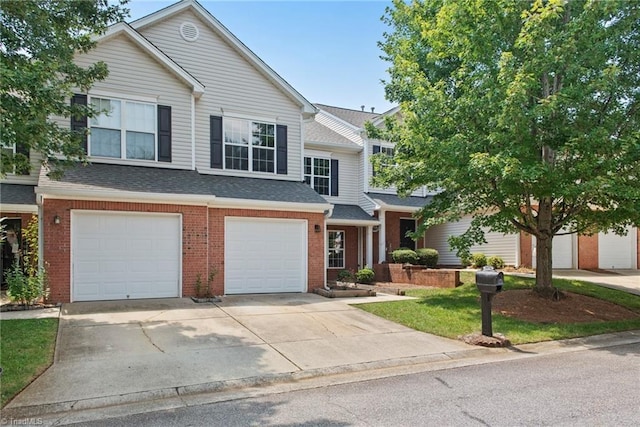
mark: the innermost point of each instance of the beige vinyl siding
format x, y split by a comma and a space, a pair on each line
32, 178
347, 176
133, 72
503, 245
233, 87
387, 190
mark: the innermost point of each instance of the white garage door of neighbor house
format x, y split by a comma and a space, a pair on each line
125, 255
617, 251
265, 255
562, 252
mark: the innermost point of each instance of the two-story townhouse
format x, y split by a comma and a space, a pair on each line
394, 214
196, 167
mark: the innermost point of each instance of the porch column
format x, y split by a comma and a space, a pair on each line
382, 238
369, 250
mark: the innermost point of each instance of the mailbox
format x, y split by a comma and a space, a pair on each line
489, 281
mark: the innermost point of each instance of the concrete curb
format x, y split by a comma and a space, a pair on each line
184, 395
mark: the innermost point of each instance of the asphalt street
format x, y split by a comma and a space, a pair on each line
582, 388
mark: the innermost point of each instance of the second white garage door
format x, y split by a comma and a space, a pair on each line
265, 255
118, 255
617, 251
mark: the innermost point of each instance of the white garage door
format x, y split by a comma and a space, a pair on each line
617, 251
265, 255
125, 255
562, 252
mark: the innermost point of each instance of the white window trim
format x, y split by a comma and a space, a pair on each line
250, 145
342, 249
123, 124
312, 175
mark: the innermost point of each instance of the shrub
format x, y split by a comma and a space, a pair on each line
365, 275
428, 257
404, 256
495, 262
478, 260
345, 276
24, 288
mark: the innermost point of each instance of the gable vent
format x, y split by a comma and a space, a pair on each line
189, 31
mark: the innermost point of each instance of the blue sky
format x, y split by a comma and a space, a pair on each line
327, 50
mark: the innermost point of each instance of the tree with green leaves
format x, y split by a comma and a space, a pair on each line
524, 115
38, 41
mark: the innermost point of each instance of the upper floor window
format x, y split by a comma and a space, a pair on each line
387, 152
317, 173
123, 129
15, 160
249, 145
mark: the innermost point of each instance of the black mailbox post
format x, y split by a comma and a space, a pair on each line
489, 283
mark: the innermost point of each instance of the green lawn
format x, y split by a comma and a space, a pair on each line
26, 350
455, 312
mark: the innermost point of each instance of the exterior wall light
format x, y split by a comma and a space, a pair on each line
56, 219
317, 228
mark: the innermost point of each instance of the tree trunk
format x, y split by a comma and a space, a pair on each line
544, 263
544, 257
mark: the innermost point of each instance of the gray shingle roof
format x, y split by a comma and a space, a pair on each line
316, 132
392, 199
351, 213
16, 194
354, 117
173, 181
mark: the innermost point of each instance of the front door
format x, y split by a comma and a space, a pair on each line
11, 244
407, 225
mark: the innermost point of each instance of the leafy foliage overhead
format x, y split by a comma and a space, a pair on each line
38, 40
509, 106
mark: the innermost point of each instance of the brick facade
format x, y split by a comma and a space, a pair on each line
392, 234
588, 251
202, 241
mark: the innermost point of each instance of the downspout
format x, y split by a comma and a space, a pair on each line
327, 214
193, 132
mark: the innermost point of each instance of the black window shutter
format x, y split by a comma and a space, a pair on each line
79, 123
215, 137
376, 149
281, 149
164, 133
24, 150
334, 177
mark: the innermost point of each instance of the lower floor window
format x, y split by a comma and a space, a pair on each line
336, 249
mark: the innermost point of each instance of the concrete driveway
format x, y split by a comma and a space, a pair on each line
142, 347
624, 280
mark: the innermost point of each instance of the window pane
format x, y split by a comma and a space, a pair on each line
263, 134
105, 142
321, 167
110, 113
336, 249
141, 146
140, 117
263, 160
236, 157
321, 185
236, 131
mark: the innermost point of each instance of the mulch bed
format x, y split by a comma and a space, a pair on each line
574, 308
